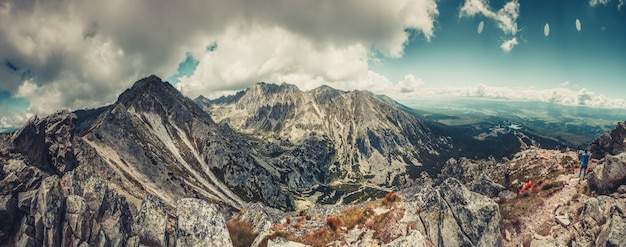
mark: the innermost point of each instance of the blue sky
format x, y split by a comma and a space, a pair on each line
594, 57
75, 54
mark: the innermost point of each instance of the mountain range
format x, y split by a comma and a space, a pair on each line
154, 148
270, 143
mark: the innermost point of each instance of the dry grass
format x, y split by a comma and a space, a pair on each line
241, 232
383, 225
334, 222
390, 198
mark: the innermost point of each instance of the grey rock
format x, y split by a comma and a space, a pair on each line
612, 143
261, 217
414, 239
452, 215
507, 194
622, 189
609, 173
25, 200
50, 206
133, 241
477, 216
282, 242
48, 142
150, 223
563, 220
485, 186
613, 233
543, 242
199, 223
593, 212
8, 211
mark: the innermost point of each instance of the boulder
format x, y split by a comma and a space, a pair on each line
613, 233
452, 215
199, 223
485, 186
414, 238
261, 217
563, 220
151, 221
477, 216
608, 174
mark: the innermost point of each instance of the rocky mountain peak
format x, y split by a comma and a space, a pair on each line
47, 142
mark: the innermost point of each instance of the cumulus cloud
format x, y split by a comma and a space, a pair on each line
508, 45
594, 3
560, 95
76, 54
410, 84
505, 18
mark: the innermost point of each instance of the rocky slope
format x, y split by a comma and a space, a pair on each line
559, 209
372, 141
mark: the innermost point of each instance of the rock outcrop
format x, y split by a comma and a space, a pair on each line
452, 215
47, 143
610, 171
150, 223
199, 223
80, 209
612, 143
485, 186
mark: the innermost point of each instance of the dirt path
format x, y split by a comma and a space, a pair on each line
549, 222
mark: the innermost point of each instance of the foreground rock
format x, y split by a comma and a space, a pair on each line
609, 173
452, 215
199, 223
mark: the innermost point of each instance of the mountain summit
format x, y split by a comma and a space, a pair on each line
153, 136
374, 141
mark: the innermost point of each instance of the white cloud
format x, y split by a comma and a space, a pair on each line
594, 3
564, 84
578, 26
505, 18
481, 25
558, 95
546, 30
76, 54
410, 84
508, 45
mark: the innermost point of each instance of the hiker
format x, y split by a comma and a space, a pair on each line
584, 163
506, 178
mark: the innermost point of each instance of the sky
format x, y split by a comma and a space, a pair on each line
76, 54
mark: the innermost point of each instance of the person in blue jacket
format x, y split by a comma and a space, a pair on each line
584, 163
